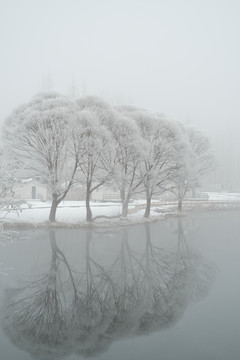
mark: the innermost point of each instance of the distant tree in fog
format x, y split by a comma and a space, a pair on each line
198, 161
202, 150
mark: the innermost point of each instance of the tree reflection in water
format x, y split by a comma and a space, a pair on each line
68, 310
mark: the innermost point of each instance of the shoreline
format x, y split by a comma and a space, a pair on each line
115, 221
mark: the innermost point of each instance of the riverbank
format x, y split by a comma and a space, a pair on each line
71, 214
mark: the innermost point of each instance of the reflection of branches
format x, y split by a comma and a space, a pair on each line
161, 282
91, 309
157, 273
125, 274
5, 237
85, 311
37, 309
193, 273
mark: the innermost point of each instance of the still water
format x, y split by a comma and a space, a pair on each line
168, 290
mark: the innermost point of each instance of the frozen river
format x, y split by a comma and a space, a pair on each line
168, 290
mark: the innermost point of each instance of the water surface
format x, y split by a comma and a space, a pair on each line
166, 290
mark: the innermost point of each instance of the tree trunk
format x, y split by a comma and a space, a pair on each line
180, 230
125, 206
180, 205
193, 191
52, 215
122, 195
148, 207
54, 250
88, 208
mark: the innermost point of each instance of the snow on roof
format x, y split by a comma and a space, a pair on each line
27, 180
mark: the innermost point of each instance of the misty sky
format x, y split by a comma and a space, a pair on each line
178, 57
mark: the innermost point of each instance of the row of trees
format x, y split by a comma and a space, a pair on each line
92, 143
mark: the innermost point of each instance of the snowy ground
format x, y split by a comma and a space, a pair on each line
73, 212
224, 196
70, 212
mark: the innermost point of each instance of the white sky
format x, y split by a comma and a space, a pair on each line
179, 57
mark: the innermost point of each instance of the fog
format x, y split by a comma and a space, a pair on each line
180, 58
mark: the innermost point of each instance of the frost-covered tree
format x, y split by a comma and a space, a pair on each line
162, 154
162, 161
198, 161
202, 150
38, 133
124, 150
8, 168
91, 144
129, 149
